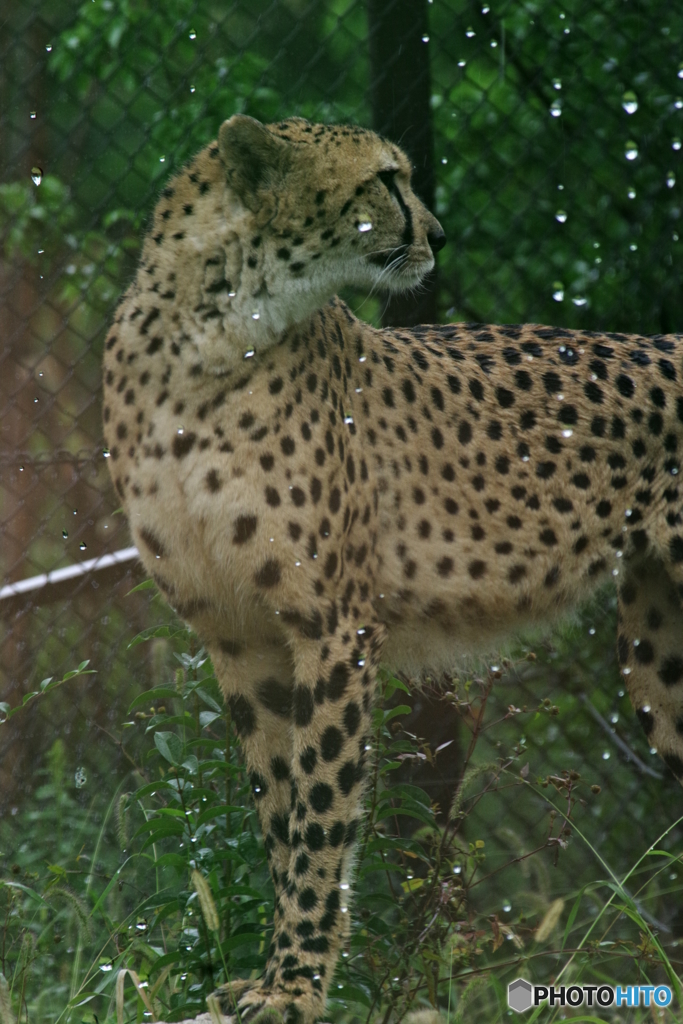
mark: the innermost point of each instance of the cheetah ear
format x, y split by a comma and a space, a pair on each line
255, 159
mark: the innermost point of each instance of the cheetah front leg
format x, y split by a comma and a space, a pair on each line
331, 727
650, 650
258, 687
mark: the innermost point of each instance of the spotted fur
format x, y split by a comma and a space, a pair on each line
314, 495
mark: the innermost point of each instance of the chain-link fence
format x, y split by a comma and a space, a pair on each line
547, 137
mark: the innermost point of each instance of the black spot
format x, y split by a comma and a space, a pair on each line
331, 743
671, 670
287, 445
276, 697
269, 574
279, 767
314, 836
338, 681
242, 714
351, 718
646, 720
516, 573
548, 537
321, 797
644, 652
337, 833
308, 759
245, 527
676, 549
563, 505
302, 704
183, 444
347, 777
153, 542
504, 397
272, 497
625, 385
603, 509
307, 900
674, 763
476, 569
213, 482
259, 786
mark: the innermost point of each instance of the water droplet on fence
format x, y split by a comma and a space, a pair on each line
49, 49
106, 453
364, 226
631, 193
425, 39
444, 160
680, 70
561, 216
83, 546
507, 907
36, 175
676, 144
567, 433
181, 430
193, 34
485, 9
670, 179
65, 535
557, 83
162, 159
558, 291
33, 115
21, 469
106, 967
614, 717
462, 63
633, 247
556, 108
591, 631
344, 885
80, 778
631, 150
629, 102
579, 300
494, 44
361, 359
249, 354
348, 420
457, 868
256, 315
470, 33
192, 88
605, 755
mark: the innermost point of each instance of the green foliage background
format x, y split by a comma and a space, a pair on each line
560, 206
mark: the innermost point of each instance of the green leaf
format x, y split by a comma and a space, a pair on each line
243, 939
174, 859
146, 584
217, 812
157, 631
400, 709
169, 746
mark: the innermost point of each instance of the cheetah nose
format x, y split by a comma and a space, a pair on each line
436, 239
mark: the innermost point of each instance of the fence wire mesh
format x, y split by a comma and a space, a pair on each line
552, 158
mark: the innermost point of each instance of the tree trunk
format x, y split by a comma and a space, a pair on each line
400, 90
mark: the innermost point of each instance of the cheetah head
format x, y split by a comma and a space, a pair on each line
330, 206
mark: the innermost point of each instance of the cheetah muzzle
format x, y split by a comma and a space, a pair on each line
314, 495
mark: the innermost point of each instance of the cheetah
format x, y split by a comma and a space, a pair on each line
314, 495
